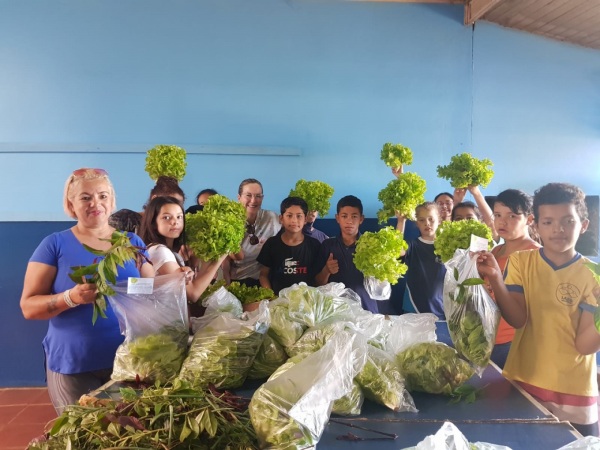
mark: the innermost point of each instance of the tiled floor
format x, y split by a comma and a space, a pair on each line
24, 414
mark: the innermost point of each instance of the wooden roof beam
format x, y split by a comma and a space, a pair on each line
475, 9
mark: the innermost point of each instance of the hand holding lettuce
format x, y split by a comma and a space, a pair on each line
396, 155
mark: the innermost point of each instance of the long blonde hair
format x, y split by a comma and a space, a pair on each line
85, 174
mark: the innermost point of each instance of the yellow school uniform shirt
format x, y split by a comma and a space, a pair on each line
543, 351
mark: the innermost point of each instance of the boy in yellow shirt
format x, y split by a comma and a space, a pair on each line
547, 295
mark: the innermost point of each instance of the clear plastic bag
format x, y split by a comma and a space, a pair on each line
310, 306
377, 289
314, 338
283, 329
156, 330
449, 437
382, 381
585, 443
427, 365
222, 301
291, 410
269, 358
471, 313
223, 351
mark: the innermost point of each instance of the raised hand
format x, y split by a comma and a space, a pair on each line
332, 264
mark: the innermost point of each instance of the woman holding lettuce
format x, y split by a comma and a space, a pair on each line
260, 226
79, 355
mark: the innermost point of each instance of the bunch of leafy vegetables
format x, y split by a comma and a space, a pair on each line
270, 356
403, 195
283, 329
166, 417
155, 357
454, 235
275, 428
466, 324
309, 306
104, 269
433, 367
314, 338
166, 161
396, 155
315, 193
464, 171
595, 268
351, 403
383, 383
217, 230
220, 357
249, 294
378, 254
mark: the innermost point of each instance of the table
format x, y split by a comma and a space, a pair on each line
503, 414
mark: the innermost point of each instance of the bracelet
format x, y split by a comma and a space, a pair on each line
67, 298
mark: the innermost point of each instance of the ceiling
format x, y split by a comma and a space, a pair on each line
574, 21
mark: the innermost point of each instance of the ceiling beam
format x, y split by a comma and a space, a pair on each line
475, 9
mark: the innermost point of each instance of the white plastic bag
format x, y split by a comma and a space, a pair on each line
310, 306
449, 437
156, 330
377, 289
222, 301
471, 313
585, 443
291, 410
223, 351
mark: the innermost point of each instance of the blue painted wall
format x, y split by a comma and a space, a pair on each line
333, 80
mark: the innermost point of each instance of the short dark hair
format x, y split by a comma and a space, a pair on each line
559, 193
206, 191
164, 187
443, 193
293, 201
148, 229
517, 201
249, 181
352, 201
467, 204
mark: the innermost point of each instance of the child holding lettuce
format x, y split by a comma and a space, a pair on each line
425, 274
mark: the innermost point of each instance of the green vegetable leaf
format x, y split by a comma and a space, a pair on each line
396, 155
378, 254
454, 235
315, 193
465, 170
216, 230
402, 194
166, 160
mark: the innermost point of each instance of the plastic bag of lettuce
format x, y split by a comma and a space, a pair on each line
223, 351
310, 306
471, 313
427, 365
156, 330
283, 329
291, 410
271, 355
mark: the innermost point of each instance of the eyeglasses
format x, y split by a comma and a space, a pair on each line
85, 170
251, 196
251, 230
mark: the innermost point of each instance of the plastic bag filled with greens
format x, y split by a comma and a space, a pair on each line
349, 404
314, 338
433, 367
471, 313
310, 306
383, 383
271, 355
222, 301
283, 329
291, 410
156, 330
222, 352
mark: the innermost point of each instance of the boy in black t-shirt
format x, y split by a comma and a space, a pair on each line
290, 257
